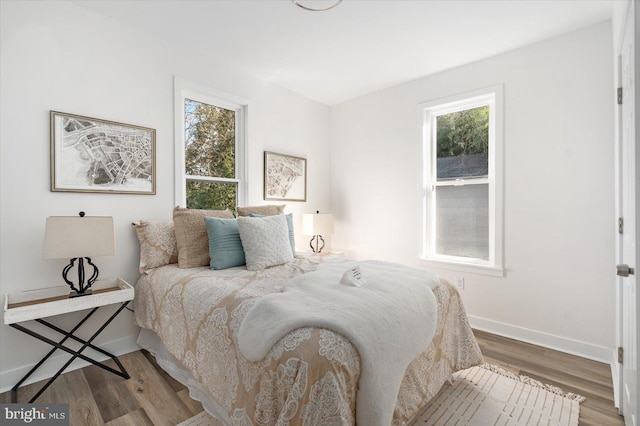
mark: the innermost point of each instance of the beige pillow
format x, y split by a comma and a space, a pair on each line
265, 241
157, 244
266, 210
191, 235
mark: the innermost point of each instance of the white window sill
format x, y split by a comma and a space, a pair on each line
494, 271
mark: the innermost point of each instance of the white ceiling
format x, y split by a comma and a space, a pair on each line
361, 45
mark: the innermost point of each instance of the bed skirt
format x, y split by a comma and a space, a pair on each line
150, 341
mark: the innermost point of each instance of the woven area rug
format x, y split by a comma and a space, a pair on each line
484, 396
488, 395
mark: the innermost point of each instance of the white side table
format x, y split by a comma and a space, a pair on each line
38, 304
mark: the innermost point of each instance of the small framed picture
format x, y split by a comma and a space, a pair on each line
285, 177
93, 155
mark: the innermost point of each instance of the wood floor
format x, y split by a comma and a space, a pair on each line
588, 378
151, 397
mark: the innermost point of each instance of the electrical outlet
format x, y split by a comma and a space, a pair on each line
460, 283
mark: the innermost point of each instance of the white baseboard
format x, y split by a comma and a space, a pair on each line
117, 347
551, 341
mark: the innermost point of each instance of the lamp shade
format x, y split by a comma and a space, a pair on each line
67, 237
317, 224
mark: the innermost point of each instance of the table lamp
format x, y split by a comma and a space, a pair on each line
316, 225
79, 238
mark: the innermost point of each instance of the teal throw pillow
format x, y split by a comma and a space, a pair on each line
225, 246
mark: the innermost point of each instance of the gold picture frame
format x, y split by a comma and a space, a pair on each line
100, 156
285, 177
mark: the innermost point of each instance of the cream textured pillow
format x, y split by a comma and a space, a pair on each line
265, 241
157, 244
266, 210
191, 235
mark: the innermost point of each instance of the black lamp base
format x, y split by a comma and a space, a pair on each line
74, 293
317, 239
82, 289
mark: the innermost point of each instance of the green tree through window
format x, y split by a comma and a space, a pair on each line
462, 143
463, 132
210, 156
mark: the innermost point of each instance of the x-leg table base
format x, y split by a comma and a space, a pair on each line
76, 354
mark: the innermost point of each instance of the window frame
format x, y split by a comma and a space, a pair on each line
185, 89
428, 111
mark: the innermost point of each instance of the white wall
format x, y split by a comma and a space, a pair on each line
559, 226
60, 56
559, 212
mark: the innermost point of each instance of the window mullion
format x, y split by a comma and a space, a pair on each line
195, 178
461, 182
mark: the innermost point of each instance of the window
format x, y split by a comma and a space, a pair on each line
462, 162
210, 148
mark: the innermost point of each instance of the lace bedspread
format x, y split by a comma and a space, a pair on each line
310, 377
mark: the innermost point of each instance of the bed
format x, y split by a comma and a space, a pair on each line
190, 320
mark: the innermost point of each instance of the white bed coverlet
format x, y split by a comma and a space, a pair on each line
390, 320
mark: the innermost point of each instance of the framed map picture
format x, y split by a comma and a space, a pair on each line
285, 177
93, 155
